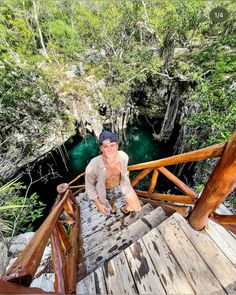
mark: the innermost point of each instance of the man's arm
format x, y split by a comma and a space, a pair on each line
90, 187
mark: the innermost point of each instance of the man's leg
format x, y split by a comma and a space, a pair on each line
132, 200
112, 202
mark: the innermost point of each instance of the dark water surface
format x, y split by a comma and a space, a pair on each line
137, 142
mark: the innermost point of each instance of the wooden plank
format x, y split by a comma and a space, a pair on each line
87, 285
100, 282
171, 275
212, 255
144, 273
116, 243
224, 240
224, 219
201, 154
199, 275
118, 276
104, 231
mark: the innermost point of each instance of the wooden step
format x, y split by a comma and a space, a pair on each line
113, 224
122, 239
172, 258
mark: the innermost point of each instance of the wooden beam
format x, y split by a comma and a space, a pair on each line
171, 198
76, 178
72, 257
79, 190
221, 182
153, 181
140, 176
63, 237
224, 219
25, 266
77, 186
208, 152
68, 206
168, 208
60, 283
178, 182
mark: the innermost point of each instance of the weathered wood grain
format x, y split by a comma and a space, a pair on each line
118, 276
100, 282
198, 273
119, 241
171, 275
59, 263
99, 234
11, 288
212, 255
86, 285
225, 241
144, 273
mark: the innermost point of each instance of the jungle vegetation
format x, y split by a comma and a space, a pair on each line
131, 45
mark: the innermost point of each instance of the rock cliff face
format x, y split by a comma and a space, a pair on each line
42, 124
46, 123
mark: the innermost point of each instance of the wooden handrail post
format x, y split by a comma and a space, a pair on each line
62, 188
221, 182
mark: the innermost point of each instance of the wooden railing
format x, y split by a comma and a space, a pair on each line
221, 182
67, 248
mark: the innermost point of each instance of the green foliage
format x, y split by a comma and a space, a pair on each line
23, 210
130, 44
17, 213
215, 119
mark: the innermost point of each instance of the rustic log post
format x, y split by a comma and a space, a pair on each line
153, 181
62, 188
141, 176
178, 182
221, 182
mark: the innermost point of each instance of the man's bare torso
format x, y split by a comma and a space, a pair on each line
113, 170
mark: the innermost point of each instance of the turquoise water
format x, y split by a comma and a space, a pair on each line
138, 144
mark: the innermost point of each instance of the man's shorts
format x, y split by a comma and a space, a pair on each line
114, 193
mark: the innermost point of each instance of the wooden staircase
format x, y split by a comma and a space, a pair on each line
123, 255
172, 258
106, 236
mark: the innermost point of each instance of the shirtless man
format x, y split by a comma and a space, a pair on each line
106, 177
